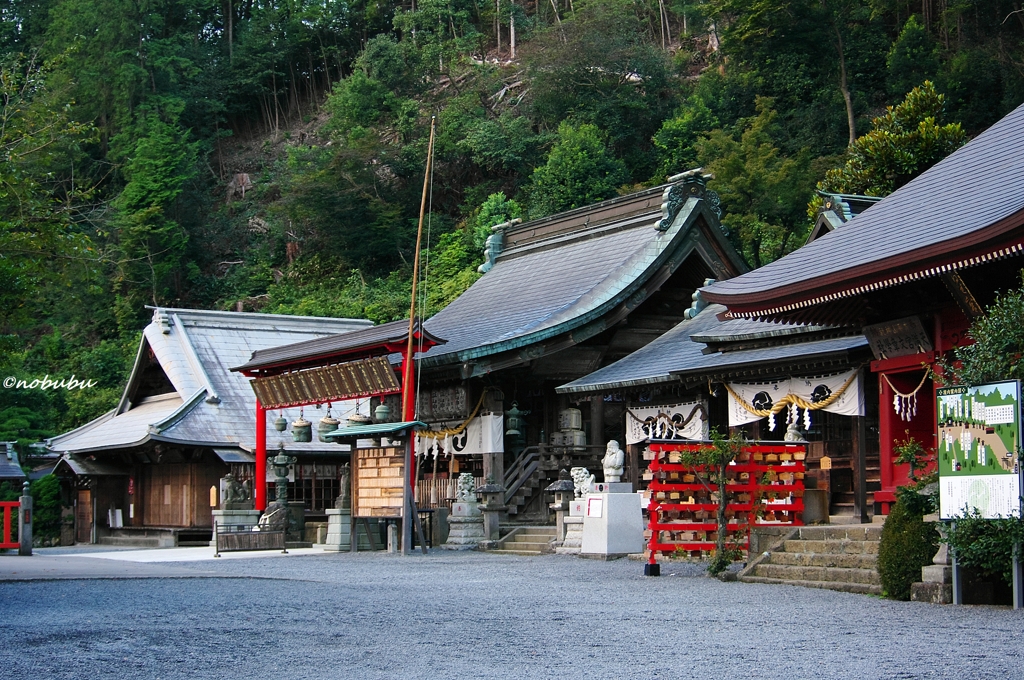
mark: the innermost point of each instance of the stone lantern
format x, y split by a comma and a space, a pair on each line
492, 504
514, 424
564, 492
280, 463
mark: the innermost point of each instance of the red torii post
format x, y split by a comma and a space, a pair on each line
260, 485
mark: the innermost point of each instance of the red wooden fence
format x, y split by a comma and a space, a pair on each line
10, 513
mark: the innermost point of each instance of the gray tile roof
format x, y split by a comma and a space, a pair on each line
551, 281
393, 332
9, 468
196, 349
973, 188
676, 353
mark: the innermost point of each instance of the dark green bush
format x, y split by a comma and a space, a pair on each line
46, 507
986, 545
908, 543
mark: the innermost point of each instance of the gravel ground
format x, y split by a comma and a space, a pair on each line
474, 615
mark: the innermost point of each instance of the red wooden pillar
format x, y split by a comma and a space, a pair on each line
409, 409
259, 484
904, 375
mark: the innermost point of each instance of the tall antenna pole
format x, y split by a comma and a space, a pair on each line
408, 408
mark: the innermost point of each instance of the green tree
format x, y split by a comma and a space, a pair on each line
677, 139
599, 66
158, 159
711, 464
763, 191
904, 142
40, 242
907, 544
912, 58
579, 171
998, 345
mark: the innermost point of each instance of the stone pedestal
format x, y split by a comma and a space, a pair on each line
231, 520
492, 507
339, 527
815, 506
613, 524
465, 527
936, 578
573, 528
573, 536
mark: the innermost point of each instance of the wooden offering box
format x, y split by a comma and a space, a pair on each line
378, 482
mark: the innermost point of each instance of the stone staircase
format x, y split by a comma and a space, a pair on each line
841, 558
527, 541
526, 493
155, 537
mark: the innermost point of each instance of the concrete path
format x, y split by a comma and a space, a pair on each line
64, 567
87, 563
474, 615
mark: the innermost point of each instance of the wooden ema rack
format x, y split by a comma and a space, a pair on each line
765, 486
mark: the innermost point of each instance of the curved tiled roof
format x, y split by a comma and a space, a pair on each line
950, 216
679, 352
551, 282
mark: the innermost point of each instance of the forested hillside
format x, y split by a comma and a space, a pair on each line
267, 155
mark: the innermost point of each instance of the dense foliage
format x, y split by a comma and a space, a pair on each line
908, 543
266, 155
986, 545
998, 344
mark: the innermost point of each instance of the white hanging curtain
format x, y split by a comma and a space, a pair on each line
672, 421
788, 399
483, 434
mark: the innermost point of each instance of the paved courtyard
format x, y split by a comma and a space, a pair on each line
467, 615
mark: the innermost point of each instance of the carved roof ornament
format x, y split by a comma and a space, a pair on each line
495, 244
692, 183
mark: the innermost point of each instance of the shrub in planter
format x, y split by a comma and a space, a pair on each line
908, 543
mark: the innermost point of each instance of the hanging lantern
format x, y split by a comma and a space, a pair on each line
382, 413
515, 420
327, 424
280, 424
357, 419
302, 429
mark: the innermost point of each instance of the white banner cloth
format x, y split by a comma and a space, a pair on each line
484, 434
666, 422
762, 396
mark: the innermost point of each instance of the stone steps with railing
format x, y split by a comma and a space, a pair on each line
527, 541
840, 558
538, 466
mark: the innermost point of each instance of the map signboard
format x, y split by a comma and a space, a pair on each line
979, 434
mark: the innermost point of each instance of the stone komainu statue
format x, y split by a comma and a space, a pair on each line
581, 479
465, 492
234, 492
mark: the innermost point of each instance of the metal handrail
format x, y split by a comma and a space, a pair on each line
530, 459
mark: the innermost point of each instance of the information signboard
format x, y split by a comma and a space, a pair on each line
979, 434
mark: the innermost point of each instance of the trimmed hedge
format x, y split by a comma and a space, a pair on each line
908, 543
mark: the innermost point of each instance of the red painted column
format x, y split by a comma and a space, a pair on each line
259, 484
408, 387
409, 409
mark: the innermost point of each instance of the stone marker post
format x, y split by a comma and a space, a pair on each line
25, 522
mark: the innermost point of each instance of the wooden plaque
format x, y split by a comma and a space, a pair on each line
378, 477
